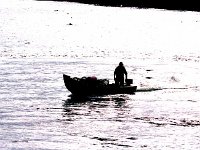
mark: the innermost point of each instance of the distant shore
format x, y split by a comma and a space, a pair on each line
191, 5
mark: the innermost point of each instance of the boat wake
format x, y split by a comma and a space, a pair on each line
156, 89
170, 121
148, 89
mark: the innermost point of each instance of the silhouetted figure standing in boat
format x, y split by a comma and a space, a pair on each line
119, 73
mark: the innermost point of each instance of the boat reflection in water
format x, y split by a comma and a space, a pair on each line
98, 108
76, 99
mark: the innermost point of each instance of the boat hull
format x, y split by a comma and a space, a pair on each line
76, 87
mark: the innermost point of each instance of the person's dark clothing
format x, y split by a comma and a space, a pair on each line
119, 73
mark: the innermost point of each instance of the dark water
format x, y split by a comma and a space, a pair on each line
38, 44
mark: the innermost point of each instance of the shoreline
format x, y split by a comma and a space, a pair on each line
168, 5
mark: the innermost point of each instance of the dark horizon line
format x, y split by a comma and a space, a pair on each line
164, 4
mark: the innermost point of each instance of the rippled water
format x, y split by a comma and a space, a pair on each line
39, 41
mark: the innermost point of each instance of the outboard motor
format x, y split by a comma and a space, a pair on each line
129, 82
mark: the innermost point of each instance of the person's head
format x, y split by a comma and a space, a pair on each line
121, 64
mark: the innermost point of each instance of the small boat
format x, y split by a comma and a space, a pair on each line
94, 86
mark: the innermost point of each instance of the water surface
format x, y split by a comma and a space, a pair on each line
39, 41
